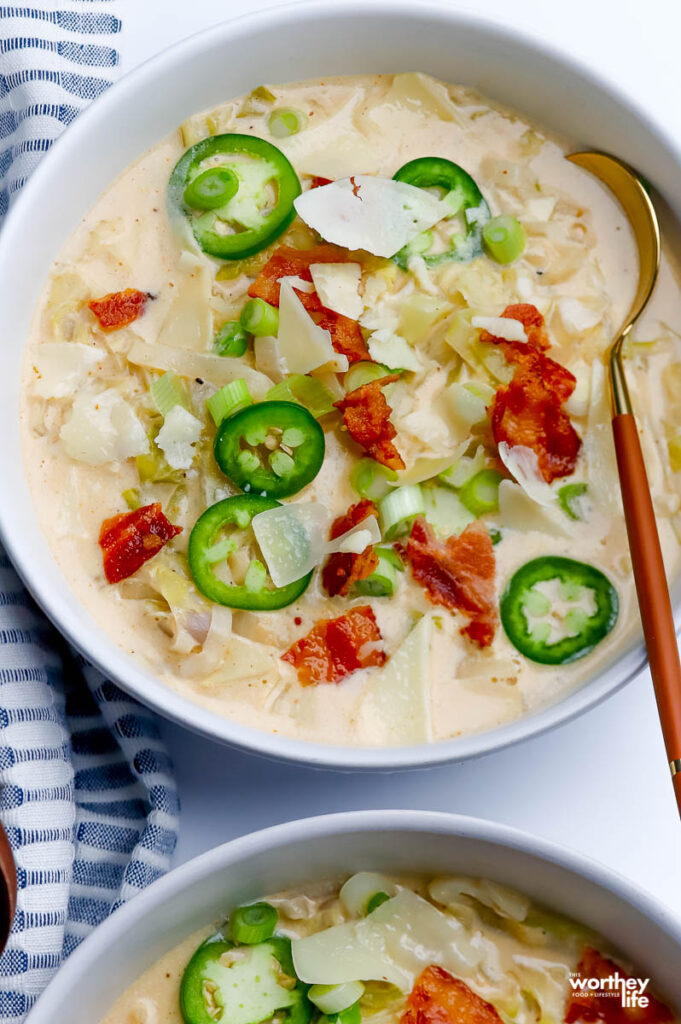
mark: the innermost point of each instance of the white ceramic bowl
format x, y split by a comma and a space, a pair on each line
207, 888
282, 45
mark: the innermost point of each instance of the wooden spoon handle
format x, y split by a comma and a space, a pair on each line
652, 589
8, 888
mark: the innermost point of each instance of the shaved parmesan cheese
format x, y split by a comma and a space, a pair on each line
394, 944
355, 543
501, 327
267, 357
177, 437
517, 511
103, 428
397, 700
576, 316
303, 345
427, 467
217, 370
337, 285
392, 350
62, 366
379, 215
522, 463
291, 539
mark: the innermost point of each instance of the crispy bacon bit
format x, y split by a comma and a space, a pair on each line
132, 538
366, 415
318, 181
591, 1005
457, 573
334, 648
528, 411
439, 998
532, 321
118, 309
346, 335
288, 262
343, 568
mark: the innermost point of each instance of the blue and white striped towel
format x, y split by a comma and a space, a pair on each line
86, 788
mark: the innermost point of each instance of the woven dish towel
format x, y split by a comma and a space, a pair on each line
86, 788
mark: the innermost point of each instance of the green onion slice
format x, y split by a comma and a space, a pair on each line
260, 318
231, 340
398, 510
371, 479
228, 400
503, 238
364, 372
285, 121
253, 923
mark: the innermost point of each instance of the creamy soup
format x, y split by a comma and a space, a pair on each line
434, 951
316, 415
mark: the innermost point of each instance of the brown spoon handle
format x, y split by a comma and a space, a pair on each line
8, 888
652, 589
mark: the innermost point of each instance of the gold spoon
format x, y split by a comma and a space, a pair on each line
644, 542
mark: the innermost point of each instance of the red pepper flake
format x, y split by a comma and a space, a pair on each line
439, 998
457, 573
528, 411
130, 539
604, 1004
343, 568
366, 415
346, 335
288, 262
118, 309
335, 648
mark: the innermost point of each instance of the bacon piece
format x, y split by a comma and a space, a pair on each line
439, 998
345, 568
605, 1004
130, 539
528, 411
288, 262
346, 335
457, 573
532, 321
318, 181
334, 648
366, 415
118, 309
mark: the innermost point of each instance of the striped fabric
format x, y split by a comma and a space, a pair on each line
86, 788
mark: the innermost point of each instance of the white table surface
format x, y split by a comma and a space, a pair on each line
599, 784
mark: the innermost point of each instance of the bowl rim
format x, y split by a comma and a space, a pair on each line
131, 674
444, 823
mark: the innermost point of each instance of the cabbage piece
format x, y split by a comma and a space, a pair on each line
393, 350
337, 285
464, 407
501, 327
577, 317
418, 314
502, 900
578, 402
359, 888
101, 428
217, 370
62, 366
243, 658
177, 437
397, 695
212, 654
379, 215
517, 511
303, 345
394, 943
292, 538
